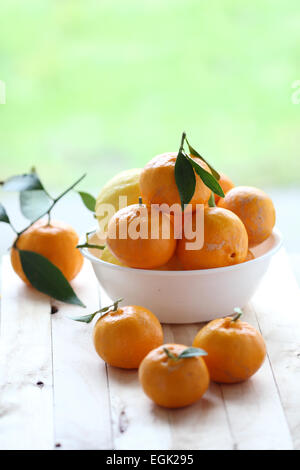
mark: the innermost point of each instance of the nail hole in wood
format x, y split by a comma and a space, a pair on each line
58, 445
40, 384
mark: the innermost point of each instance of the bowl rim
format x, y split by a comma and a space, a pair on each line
191, 272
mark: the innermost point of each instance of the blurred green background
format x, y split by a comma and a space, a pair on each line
101, 86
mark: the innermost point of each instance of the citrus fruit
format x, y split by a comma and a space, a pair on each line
173, 383
158, 185
56, 241
123, 337
255, 208
130, 248
235, 349
225, 241
225, 183
123, 184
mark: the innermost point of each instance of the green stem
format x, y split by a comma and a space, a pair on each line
238, 313
211, 201
89, 245
183, 137
170, 355
52, 205
13, 228
69, 189
49, 218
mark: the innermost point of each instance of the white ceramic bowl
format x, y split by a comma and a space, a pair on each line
187, 296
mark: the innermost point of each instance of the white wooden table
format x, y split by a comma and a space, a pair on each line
55, 392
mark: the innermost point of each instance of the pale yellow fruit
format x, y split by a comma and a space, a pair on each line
126, 184
109, 257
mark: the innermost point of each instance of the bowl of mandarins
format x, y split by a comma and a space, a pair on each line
190, 246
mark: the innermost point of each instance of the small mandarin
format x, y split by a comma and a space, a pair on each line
255, 208
235, 349
123, 337
225, 241
173, 383
158, 185
56, 241
137, 249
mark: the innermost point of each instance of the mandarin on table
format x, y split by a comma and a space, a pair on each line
123, 337
235, 349
225, 241
158, 185
139, 252
173, 383
56, 241
255, 208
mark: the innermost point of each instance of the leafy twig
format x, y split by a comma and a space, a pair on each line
88, 318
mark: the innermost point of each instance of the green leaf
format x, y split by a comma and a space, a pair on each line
185, 179
208, 179
24, 182
192, 352
84, 318
3, 215
89, 318
196, 154
88, 200
47, 278
34, 203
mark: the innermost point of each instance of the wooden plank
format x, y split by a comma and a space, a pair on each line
82, 409
140, 424
26, 395
137, 423
277, 307
243, 416
255, 413
204, 425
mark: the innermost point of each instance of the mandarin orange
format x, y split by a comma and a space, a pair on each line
158, 185
255, 208
225, 241
141, 238
123, 337
56, 241
173, 383
235, 349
